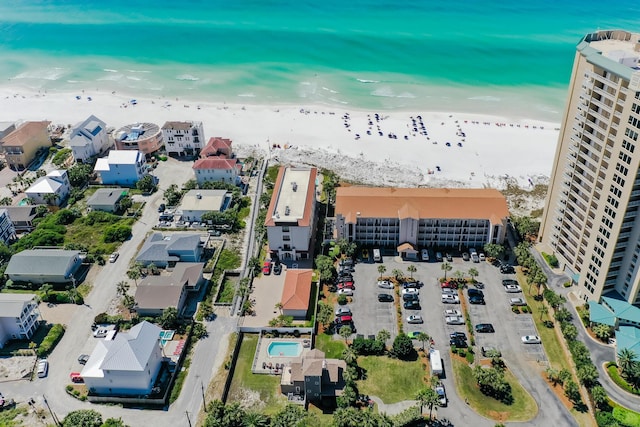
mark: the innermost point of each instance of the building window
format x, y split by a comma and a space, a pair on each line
286, 238
285, 229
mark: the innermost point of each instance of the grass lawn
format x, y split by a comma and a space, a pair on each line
550, 340
614, 374
392, 380
625, 416
227, 291
523, 408
332, 348
254, 389
91, 236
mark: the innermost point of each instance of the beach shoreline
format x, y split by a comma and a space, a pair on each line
388, 148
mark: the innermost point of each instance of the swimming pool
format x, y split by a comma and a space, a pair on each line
284, 349
24, 202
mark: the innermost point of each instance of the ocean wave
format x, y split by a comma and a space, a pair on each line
187, 77
140, 71
44, 74
75, 81
338, 101
111, 78
247, 95
329, 90
485, 98
367, 81
109, 70
406, 95
137, 79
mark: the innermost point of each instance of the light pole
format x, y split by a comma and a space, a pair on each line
204, 400
55, 419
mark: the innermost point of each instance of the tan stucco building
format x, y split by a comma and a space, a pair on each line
21, 145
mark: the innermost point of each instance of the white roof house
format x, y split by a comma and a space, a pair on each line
128, 364
51, 189
121, 167
197, 202
89, 138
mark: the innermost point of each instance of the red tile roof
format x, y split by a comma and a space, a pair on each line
217, 146
297, 290
216, 163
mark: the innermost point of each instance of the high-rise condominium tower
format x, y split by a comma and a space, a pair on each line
591, 220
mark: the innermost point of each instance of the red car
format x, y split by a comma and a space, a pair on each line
344, 319
346, 285
266, 268
449, 285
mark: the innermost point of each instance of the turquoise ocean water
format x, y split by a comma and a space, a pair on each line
492, 56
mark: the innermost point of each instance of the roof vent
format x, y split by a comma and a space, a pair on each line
198, 196
287, 211
294, 185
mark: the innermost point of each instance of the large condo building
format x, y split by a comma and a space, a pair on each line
591, 217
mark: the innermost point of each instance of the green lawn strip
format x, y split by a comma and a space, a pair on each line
626, 417
227, 291
243, 379
13, 417
524, 408
552, 345
332, 348
84, 290
617, 378
391, 380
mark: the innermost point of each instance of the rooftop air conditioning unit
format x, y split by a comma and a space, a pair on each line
294, 186
198, 196
287, 211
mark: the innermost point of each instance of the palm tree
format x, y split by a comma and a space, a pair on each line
278, 306
46, 288
543, 309
122, 287
412, 269
427, 397
345, 332
397, 273
134, 274
446, 267
473, 273
381, 269
255, 419
383, 336
459, 275
626, 359
349, 355
423, 337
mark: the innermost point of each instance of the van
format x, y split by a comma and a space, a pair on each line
436, 362
43, 368
376, 255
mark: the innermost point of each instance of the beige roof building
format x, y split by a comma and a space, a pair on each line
424, 217
21, 145
314, 376
195, 203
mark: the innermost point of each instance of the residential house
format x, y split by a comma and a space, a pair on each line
156, 293
89, 138
296, 293
21, 145
291, 217
127, 365
314, 377
143, 137
7, 229
166, 250
404, 219
51, 189
19, 316
44, 266
122, 167
183, 138
217, 147
217, 169
22, 216
107, 199
195, 203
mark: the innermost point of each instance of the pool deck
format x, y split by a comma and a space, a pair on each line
262, 357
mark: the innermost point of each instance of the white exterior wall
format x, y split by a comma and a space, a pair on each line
7, 230
222, 175
300, 238
20, 328
127, 382
193, 216
62, 192
176, 141
90, 145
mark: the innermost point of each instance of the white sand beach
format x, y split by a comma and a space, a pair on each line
393, 149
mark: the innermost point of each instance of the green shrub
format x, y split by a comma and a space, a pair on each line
342, 299
49, 342
567, 284
626, 417
69, 387
470, 357
515, 309
550, 259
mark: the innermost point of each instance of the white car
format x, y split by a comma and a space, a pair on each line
43, 368
531, 339
454, 320
481, 257
415, 318
343, 311
512, 289
424, 254
385, 284
345, 291
450, 299
449, 291
414, 291
452, 312
442, 395
113, 257
517, 301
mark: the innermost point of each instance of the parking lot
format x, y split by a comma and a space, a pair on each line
370, 316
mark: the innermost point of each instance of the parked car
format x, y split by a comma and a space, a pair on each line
75, 377
458, 342
438, 256
465, 256
410, 297
517, 301
266, 268
345, 318
113, 257
458, 336
345, 291
512, 289
482, 257
343, 311
410, 291
448, 257
415, 318
485, 327
43, 368
344, 277
385, 298
454, 320
277, 269
475, 292
451, 285
385, 284
442, 395
452, 312
449, 291
507, 269
424, 254
414, 335
412, 305
346, 261
346, 285
450, 299
531, 339
506, 282
476, 299
162, 207
83, 359
413, 284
